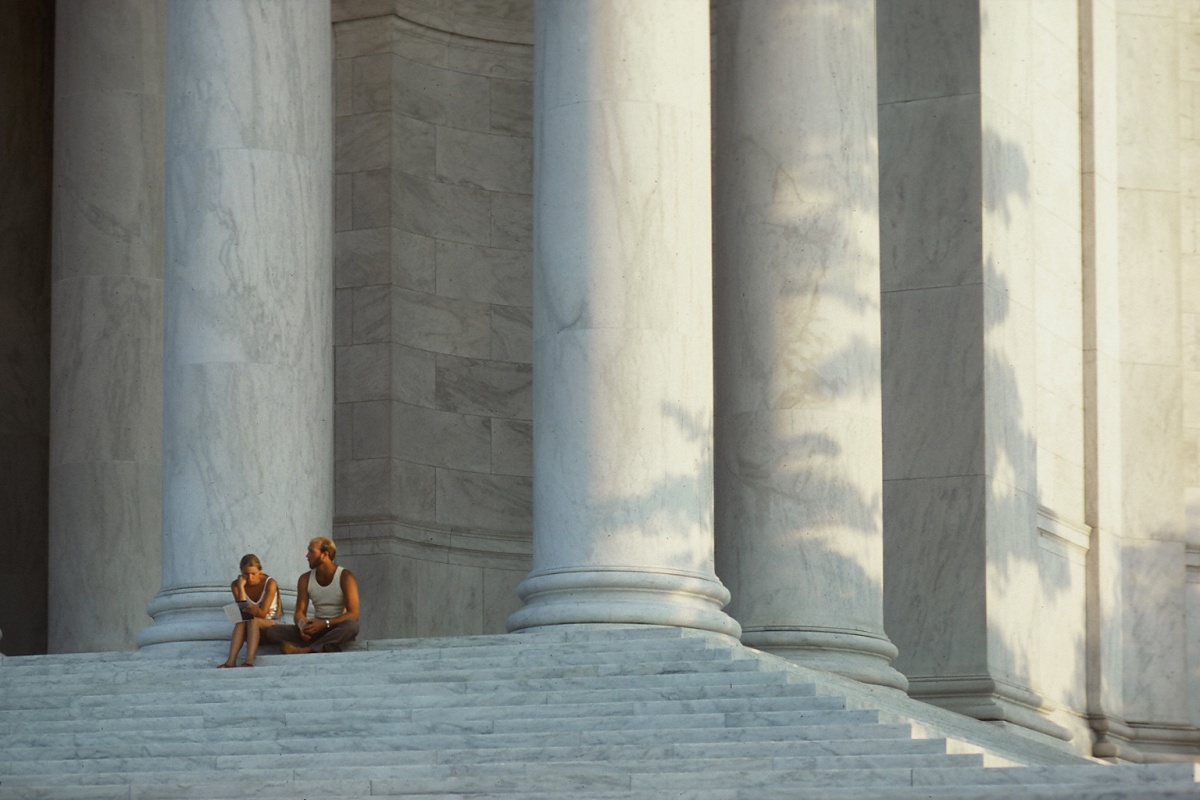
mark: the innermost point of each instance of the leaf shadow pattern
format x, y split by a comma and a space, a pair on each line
985, 604
796, 327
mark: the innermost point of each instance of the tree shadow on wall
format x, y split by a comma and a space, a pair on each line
974, 587
796, 321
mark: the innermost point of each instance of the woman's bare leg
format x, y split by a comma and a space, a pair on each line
253, 635
235, 644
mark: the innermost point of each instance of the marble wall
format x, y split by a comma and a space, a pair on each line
26, 111
1047, 478
433, 317
966, 189
1151, 375
1189, 153
1059, 655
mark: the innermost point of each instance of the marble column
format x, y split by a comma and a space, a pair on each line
106, 369
247, 429
622, 319
796, 265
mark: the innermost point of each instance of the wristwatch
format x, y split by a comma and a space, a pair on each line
327, 622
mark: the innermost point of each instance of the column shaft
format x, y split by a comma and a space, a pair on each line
107, 327
247, 432
799, 450
622, 319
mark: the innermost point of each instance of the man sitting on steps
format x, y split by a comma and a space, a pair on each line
334, 596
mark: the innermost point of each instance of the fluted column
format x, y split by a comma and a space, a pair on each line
622, 319
247, 434
799, 449
107, 325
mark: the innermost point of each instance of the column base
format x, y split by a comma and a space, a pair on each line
1112, 739
623, 596
188, 614
1161, 742
988, 699
851, 654
193, 614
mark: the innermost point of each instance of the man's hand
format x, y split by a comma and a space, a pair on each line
312, 627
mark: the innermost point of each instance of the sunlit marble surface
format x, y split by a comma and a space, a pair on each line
799, 498
622, 320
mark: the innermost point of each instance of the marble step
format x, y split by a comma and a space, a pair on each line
1014, 779
184, 792
487, 692
701, 752
823, 793
334, 726
341, 685
115, 747
410, 659
532, 780
591, 769
369, 665
385, 710
266, 707
601, 641
397, 667
499, 692
630, 713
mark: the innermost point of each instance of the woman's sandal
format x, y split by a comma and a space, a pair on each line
226, 666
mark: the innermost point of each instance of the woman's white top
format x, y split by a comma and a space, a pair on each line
275, 611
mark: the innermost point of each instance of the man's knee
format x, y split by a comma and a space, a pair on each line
277, 634
339, 634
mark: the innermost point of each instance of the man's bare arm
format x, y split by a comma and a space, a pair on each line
350, 593
301, 603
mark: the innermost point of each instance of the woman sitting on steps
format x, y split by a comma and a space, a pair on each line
257, 595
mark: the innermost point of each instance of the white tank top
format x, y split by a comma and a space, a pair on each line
327, 601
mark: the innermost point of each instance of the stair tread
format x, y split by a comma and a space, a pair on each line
385, 709
695, 751
603, 713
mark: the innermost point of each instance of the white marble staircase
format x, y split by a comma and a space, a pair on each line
573, 713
